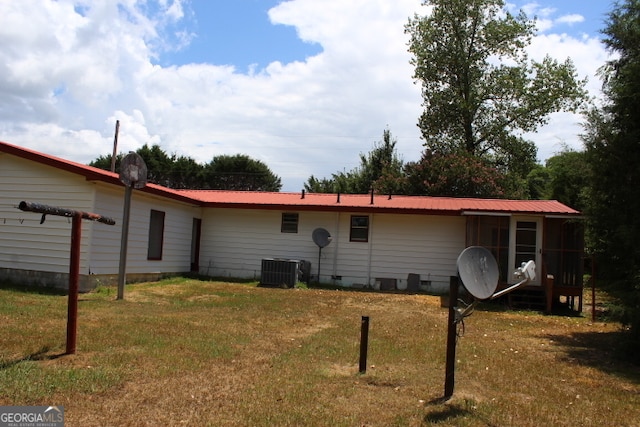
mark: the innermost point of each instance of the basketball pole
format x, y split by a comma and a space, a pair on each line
122, 267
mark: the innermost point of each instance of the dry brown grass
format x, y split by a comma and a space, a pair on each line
185, 352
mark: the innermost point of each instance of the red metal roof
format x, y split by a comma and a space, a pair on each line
310, 201
89, 172
379, 202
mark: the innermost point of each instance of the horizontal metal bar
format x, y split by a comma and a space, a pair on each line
52, 210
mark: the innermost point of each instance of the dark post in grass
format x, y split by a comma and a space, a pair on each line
364, 343
74, 261
451, 338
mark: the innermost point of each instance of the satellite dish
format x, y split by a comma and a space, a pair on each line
321, 237
478, 271
133, 171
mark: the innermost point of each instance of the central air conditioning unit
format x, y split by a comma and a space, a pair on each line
283, 272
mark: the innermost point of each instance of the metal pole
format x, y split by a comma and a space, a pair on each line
69, 213
74, 258
364, 343
319, 257
74, 275
593, 289
123, 240
449, 379
115, 147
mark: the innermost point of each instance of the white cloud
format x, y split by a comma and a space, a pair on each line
67, 73
570, 19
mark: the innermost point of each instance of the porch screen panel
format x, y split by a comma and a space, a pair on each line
563, 251
491, 232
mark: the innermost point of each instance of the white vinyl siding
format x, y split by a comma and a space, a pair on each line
426, 245
234, 241
176, 249
25, 244
156, 235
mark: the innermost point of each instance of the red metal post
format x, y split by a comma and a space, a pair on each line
74, 261
74, 277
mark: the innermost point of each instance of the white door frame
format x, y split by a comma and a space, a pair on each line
513, 232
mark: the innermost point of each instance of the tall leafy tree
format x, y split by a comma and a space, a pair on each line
240, 172
480, 90
612, 139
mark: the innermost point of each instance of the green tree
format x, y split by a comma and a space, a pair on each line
168, 170
612, 140
320, 185
538, 183
185, 173
453, 174
379, 169
569, 177
159, 164
239, 172
480, 90
104, 162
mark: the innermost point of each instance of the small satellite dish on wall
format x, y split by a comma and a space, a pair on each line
478, 271
321, 237
133, 171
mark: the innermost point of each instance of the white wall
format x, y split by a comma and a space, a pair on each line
234, 242
176, 251
24, 242
428, 245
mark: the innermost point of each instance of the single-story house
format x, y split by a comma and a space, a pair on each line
378, 241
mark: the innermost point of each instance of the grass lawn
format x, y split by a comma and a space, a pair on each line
197, 353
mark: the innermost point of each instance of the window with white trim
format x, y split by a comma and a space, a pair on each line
359, 229
289, 222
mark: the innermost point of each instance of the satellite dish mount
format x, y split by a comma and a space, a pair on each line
478, 271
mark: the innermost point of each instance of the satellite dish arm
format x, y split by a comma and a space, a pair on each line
461, 313
527, 272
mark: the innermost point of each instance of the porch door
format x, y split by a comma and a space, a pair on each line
195, 245
526, 244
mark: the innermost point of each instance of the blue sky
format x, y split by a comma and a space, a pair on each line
238, 33
305, 86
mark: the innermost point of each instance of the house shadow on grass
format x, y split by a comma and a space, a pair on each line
42, 354
605, 351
